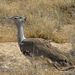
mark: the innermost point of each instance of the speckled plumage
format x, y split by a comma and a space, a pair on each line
38, 47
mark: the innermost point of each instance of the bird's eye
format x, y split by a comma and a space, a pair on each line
15, 18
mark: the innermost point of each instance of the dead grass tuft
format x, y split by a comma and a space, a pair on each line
46, 19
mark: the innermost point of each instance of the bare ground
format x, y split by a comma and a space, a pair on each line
13, 62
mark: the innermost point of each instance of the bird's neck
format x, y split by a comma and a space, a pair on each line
20, 34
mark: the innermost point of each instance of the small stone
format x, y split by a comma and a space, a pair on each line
45, 69
5, 67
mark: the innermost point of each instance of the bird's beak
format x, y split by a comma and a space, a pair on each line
7, 18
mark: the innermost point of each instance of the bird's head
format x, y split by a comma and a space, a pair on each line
17, 19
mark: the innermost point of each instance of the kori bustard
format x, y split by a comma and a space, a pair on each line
34, 47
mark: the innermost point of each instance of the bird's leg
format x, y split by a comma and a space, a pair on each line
42, 59
33, 61
53, 64
60, 69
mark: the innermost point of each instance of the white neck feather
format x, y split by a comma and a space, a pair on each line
20, 33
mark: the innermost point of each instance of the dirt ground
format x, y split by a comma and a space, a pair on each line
13, 62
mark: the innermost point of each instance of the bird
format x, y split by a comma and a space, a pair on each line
37, 47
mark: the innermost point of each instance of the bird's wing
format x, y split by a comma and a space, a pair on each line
52, 53
38, 47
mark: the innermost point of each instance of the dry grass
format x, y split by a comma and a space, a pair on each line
13, 62
46, 19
